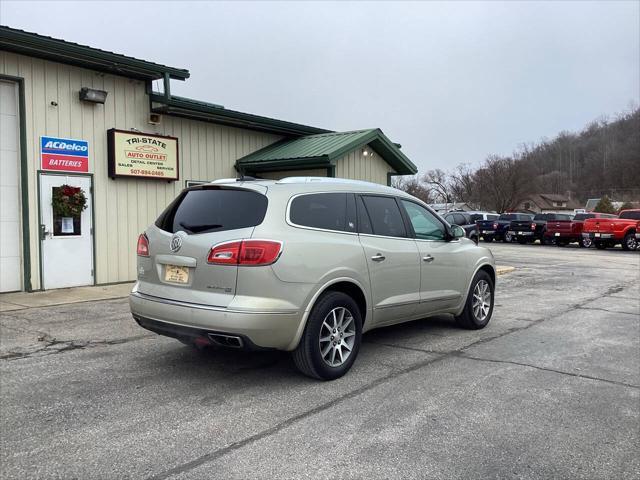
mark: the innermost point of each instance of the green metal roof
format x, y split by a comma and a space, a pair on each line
323, 150
49, 48
209, 112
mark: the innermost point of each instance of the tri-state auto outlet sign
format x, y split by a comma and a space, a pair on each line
142, 155
64, 154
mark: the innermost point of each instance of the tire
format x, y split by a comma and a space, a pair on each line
507, 238
469, 318
629, 241
522, 240
308, 357
544, 240
585, 242
487, 239
600, 245
562, 243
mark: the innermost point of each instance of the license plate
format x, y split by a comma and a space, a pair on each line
596, 235
176, 274
487, 231
557, 234
520, 233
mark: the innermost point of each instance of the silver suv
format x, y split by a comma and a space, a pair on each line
305, 265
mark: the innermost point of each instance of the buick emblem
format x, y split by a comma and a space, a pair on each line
175, 243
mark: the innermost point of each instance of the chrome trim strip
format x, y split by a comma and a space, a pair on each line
177, 303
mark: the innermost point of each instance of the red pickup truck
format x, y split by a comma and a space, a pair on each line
608, 232
563, 232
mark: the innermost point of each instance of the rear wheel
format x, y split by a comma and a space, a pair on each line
629, 242
522, 240
600, 245
479, 305
488, 239
585, 242
331, 338
508, 238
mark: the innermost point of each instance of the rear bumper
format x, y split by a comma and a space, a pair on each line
598, 236
517, 233
266, 329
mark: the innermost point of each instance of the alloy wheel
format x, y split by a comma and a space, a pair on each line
481, 303
337, 336
631, 243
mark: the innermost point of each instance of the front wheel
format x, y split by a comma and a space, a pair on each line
629, 242
331, 338
479, 305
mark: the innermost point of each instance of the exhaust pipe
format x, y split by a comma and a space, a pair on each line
230, 341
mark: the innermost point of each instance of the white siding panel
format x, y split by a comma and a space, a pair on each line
123, 207
358, 167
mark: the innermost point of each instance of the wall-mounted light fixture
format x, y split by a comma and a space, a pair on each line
92, 96
367, 153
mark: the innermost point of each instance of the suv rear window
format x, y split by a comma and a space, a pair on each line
631, 215
583, 216
324, 210
213, 209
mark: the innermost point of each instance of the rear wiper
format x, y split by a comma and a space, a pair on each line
200, 228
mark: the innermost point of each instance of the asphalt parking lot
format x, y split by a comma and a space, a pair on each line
550, 389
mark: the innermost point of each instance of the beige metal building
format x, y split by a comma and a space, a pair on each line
80, 117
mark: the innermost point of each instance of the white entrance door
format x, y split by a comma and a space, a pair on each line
66, 241
10, 250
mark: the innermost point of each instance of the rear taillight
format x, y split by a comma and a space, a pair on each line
533, 226
245, 252
495, 226
143, 246
225, 253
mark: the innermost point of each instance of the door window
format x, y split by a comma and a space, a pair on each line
329, 211
425, 224
385, 216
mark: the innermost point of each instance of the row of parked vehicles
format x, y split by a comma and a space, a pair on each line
601, 230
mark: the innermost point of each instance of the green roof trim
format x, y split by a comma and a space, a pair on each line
323, 150
209, 112
49, 48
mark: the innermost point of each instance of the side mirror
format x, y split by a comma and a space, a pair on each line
457, 232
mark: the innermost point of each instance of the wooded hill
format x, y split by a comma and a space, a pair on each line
603, 159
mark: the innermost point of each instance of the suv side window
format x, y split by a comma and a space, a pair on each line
385, 216
364, 222
460, 219
321, 210
425, 224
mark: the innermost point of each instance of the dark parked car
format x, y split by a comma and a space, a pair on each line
530, 231
464, 220
490, 230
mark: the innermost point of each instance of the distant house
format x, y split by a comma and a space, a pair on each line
447, 207
547, 203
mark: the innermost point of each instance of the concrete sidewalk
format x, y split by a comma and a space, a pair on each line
21, 300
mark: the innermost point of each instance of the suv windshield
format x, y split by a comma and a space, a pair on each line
213, 209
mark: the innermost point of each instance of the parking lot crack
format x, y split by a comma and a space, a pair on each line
610, 311
546, 369
53, 346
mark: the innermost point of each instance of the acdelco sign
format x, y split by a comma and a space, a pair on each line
64, 154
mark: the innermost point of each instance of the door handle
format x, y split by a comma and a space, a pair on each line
378, 257
428, 259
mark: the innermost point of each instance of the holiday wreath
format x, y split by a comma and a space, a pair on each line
68, 201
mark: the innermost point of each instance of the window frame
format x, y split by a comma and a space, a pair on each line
349, 210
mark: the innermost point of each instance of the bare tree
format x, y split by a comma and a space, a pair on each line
463, 186
438, 184
413, 186
502, 183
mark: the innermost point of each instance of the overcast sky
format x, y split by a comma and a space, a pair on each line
452, 82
